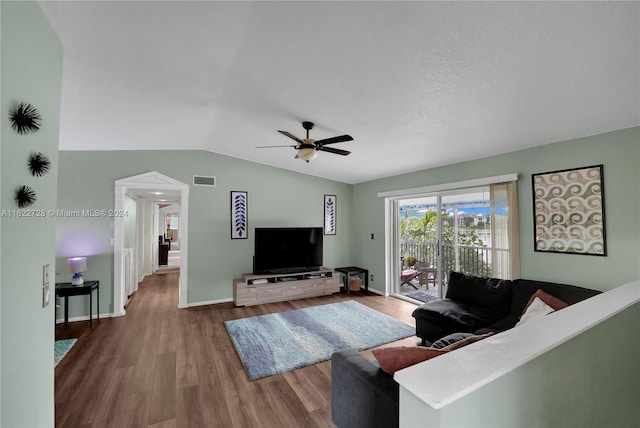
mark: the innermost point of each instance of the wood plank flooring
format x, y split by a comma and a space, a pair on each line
160, 366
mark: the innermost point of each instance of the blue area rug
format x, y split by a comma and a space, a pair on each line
60, 349
276, 343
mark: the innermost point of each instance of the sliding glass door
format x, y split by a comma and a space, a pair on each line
419, 247
467, 230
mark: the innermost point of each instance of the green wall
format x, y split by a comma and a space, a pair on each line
130, 222
31, 58
276, 198
619, 151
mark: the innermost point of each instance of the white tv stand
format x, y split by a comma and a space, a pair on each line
257, 289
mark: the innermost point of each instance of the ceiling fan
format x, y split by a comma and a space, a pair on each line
308, 148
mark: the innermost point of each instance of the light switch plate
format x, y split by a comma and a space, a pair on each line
45, 296
45, 275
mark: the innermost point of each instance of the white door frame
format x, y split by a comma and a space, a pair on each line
156, 181
155, 232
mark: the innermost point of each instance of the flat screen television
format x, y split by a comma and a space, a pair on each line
287, 249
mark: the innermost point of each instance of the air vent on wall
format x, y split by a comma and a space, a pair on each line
202, 180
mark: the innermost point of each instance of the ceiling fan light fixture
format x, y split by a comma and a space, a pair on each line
308, 148
307, 154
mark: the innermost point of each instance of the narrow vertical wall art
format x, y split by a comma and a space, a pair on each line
239, 218
330, 213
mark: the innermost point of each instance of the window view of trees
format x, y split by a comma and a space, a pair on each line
468, 242
469, 230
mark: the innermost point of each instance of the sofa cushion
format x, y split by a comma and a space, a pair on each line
493, 294
501, 325
523, 289
400, 357
436, 319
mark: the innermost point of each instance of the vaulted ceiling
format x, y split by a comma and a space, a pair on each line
417, 84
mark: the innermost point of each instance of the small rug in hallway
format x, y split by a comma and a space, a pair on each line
276, 343
60, 349
422, 296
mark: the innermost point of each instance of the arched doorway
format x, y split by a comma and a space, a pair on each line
150, 181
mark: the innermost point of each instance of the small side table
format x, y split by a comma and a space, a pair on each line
65, 289
354, 270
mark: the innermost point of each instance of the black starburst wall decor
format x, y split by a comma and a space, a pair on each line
25, 118
38, 164
24, 196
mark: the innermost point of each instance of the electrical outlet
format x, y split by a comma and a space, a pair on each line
371, 277
372, 236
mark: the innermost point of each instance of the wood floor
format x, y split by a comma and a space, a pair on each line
160, 366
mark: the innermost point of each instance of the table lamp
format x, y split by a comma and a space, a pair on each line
76, 266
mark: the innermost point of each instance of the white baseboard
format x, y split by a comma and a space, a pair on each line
86, 317
210, 302
373, 290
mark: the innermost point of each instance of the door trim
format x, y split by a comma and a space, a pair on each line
149, 180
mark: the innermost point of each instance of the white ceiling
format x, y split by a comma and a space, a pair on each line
417, 84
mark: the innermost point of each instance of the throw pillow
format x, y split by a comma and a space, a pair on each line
397, 358
537, 309
466, 341
547, 298
449, 339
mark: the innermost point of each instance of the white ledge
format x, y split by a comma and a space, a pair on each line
444, 379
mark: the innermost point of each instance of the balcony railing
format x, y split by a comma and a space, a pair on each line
463, 258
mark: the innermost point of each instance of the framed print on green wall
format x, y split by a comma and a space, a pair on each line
239, 215
568, 211
330, 213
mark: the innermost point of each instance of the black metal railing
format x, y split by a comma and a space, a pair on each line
470, 259
425, 252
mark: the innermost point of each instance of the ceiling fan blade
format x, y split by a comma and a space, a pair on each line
293, 137
333, 150
268, 147
333, 140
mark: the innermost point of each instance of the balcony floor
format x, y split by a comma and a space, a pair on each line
424, 293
